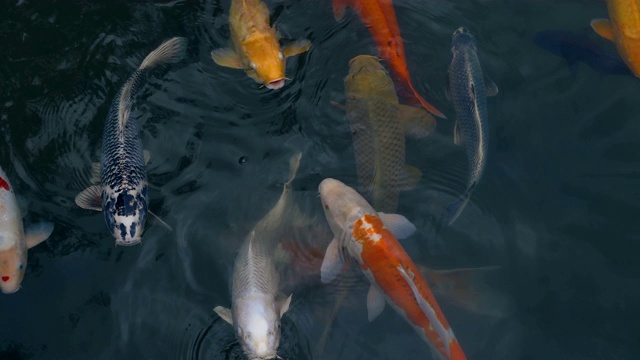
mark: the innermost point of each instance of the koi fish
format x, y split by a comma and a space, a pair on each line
14, 241
468, 92
575, 48
623, 28
380, 18
256, 312
371, 239
255, 45
120, 189
378, 126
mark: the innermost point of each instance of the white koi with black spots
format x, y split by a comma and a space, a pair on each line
122, 190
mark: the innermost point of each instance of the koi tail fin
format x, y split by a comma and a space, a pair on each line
471, 289
411, 97
170, 51
454, 210
294, 164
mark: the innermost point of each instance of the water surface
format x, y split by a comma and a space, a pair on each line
556, 210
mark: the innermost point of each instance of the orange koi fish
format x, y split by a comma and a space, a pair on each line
380, 18
371, 238
255, 44
623, 28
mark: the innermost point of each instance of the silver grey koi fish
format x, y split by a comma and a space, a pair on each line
122, 189
468, 91
256, 312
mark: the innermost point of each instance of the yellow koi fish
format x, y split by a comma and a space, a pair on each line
255, 44
623, 28
378, 126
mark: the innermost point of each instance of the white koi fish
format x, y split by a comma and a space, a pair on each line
256, 311
14, 241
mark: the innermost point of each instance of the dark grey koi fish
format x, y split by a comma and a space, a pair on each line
468, 91
121, 191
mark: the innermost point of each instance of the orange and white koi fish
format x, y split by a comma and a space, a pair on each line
371, 238
14, 242
623, 28
380, 18
255, 44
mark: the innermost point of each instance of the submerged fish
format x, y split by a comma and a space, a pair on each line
256, 311
378, 127
575, 48
468, 91
14, 241
255, 44
380, 18
121, 191
371, 239
623, 28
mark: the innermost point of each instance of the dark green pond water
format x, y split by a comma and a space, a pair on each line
556, 211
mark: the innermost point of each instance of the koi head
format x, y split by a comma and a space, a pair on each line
368, 77
125, 212
462, 37
342, 204
257, 326
13, 262
265, 61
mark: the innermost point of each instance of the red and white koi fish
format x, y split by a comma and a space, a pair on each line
14, 242
371, 238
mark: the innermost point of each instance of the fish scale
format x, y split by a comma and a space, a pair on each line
122, 165
378, 135
379, 147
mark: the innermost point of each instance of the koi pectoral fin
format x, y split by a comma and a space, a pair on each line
339, 8
284, 305
375, 302
457, 136
224, 313
603, 28
490, 87
417, 122
159, 220
90, 198
338, 105
95, 173
332, 262
227, 58
411, 178
296, 47
147, 156
399, 226
38, 233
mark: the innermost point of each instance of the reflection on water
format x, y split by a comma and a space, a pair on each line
555, 211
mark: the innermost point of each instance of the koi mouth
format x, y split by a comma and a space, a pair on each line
128, 242
4, 291
275, 84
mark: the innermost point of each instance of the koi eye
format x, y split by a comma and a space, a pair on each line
281, 55
253, 65
20, 266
